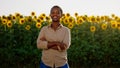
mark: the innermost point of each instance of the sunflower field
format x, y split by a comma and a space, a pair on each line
95, 40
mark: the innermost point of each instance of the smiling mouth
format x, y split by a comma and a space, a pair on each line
54, 17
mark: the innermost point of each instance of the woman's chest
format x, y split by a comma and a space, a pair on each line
52, 35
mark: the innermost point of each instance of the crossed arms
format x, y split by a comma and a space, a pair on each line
55, 45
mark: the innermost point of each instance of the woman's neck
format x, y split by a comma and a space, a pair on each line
55, 25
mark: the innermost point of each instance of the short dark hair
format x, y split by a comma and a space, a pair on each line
56, 6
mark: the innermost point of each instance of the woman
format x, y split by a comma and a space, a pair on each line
54, 40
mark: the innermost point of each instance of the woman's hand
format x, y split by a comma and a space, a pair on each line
43, 39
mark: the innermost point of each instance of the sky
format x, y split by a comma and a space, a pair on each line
82, 7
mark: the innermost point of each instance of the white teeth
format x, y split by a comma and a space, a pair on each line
55, 17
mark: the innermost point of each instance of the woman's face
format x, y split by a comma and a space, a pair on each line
55, 14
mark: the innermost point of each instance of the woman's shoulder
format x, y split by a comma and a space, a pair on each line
44, 27
65, 27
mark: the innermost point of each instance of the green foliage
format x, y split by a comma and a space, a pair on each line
18, 46
90, 49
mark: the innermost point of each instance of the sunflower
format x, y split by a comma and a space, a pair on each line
79, 21
102, 18
43, 14
92, 28
22, 21
104, 26
98, 19
4, 21
4, 17
9, 24
67, 15
116, 18
118, 25
42, 18
29, 19
84, 18
33, 14
65, 20
113, 24
76, 14
27, 27
17, 15
38, 25
34, 18
39, 20
71, 20
47, 18
113, 15
70, 25
13, 17
9, 18
92, 19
